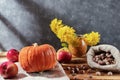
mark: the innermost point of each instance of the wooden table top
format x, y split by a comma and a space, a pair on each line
85, 72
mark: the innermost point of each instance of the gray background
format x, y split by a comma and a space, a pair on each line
23, 22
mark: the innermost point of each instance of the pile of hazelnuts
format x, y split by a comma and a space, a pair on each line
81, 69
104, 58
85, 69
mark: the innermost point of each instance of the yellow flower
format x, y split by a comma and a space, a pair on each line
66, 34
63, 32
92, 38
56, 25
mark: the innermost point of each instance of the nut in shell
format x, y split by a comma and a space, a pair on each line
98, 73
110, 73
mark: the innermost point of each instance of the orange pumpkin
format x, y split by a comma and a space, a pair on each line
37, 58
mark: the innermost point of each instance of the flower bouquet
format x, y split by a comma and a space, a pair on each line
77, 44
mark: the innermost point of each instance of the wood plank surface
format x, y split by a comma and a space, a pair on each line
78, 62
87, 74
3, 57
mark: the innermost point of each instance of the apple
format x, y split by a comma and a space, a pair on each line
64, 55
12, 55
8, 69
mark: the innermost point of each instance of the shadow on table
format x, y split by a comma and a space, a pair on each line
18, 77
56, 72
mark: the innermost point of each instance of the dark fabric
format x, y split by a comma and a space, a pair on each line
23, 22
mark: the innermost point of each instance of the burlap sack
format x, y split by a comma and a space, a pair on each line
107, 48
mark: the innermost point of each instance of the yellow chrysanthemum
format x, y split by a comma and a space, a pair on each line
56, 25
92, 38
66, 34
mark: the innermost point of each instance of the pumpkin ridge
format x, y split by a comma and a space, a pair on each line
50, 51
43, 60
50, 56
23, 57
54, 54
40, 58
46, 60
47, 47
24, 61
32, 59
28, 58
37, 58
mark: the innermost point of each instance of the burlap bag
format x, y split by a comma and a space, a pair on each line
107, 48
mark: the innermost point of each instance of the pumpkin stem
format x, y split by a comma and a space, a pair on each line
35, 44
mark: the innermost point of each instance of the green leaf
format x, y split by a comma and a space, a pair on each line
64, 44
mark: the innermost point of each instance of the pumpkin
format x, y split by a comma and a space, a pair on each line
37, 58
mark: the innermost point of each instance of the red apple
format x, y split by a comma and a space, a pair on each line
64, 55
8, 69
12, 55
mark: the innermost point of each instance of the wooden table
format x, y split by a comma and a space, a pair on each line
88, 73
78, 62
3, 57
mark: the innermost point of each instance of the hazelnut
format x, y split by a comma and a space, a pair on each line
90, 71
73, 68
68, 68
77, 70
98, 73
110, 55
113, 62
102, 57
90, 76
96, 56
82, 71
110, 73
102, 54
110, 59
107, 54
107, 63
73, 72
80, 68
85, 67
100, 62
96, 59
105, 60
